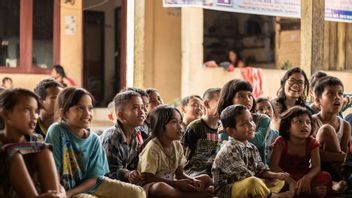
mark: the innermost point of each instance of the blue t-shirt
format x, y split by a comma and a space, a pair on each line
77, 159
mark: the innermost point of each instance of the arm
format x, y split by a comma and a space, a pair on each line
346, 137
81, 188
275, 158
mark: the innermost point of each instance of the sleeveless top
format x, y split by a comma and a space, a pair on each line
339, 133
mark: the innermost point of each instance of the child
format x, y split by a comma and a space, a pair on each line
121, 142
111, 112
332, 132
7, 83
162, 160
192, 109
297, 153
238, 168
154, 99
264, 106
240, 92
293, 90
201, 138
22, 161
79, 156
47, 90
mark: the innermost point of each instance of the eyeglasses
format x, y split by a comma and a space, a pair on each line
293, 81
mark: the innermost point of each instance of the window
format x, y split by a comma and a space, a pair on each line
29, 33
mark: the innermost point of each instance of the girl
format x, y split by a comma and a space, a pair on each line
297, 153
59, 74
154, 99
240, 92
21, 161
264, 106
162, 160
192, 108
293, 90
79, 156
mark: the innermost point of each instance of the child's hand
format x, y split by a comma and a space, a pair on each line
135, 177
198, 184
303, 186
185, 185
282, 175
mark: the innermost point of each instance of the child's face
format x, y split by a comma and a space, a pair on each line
173, 129
154, 101
23, 117
8, 84
244, 98
194, 109
331, 99
265, 108
212, 105
245, 127
301, 127
49, 101
133, 114
294, 86
80, 115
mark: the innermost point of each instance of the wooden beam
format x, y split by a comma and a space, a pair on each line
341, 48
139, 17
326, 46
348, 46
333, 46
312, 35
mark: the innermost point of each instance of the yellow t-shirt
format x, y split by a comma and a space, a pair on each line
154, 160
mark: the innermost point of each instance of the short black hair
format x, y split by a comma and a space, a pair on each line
324, 82
159, 117
186, 99
229, 114
41, 87
135, 89
122, 98
287, 116
210, 93
151, 90
315, 78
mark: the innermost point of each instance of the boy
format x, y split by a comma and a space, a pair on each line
7, 83
47, 90
192, 108
201, 138
237, 168
331, 131
120, 141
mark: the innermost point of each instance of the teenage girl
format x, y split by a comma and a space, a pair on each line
23, 164
297, 152
162, 160
79, 156
240, 92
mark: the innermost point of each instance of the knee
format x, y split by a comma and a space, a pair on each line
323, 178
254, 182
326, 132
159, 186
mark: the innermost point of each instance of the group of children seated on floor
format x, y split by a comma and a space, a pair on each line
224, 144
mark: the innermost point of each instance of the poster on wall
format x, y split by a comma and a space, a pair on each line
70, 25
337, 10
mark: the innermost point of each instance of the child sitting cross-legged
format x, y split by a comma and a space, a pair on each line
162, 160
297, 153
238, 170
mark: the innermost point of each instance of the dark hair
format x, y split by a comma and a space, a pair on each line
60, 70
6, 79
229, 114
159, 117
229, 90
324, 82
68, 98
138, 90
265, 99
10, 97
151, 90
281, 92
238, 57
122, 98
315, 78
287, 116
41, 87
186, 99
210, 93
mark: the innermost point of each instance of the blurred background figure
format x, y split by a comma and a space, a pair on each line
59, 74
7, 83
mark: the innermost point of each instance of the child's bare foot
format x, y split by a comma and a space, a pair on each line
287, 194
339, 187
319, 191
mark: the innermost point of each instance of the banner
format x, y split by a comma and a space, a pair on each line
335, 10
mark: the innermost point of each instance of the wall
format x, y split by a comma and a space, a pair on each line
163, 50
71, 46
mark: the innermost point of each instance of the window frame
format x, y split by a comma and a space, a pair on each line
26, 40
